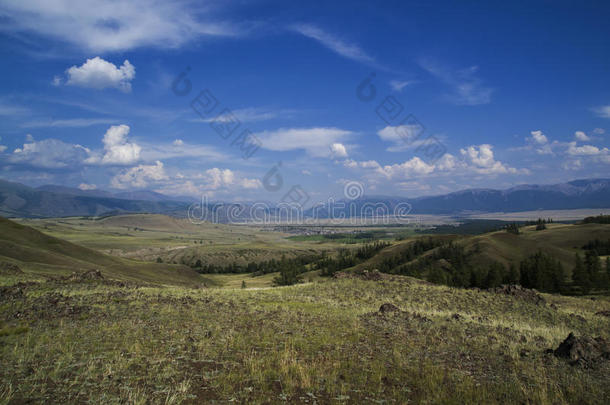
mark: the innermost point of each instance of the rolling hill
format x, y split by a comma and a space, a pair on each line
44, 255
561, 241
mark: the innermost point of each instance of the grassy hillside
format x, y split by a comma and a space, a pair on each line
43, 255
561, 241
314, 343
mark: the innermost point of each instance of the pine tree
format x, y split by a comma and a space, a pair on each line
580, 276
494, 275
514, 276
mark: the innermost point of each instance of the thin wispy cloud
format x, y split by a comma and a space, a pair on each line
250, 114
107, 26
602, 111
399, 85
317, 142
466, 87
334, 43
69, 123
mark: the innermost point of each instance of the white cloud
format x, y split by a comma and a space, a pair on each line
139, 176
56, 81
540, 143
538, 137
481, 160
467, 88
117, 150
602, 111
413, 167
599, 131
49, 153
97, 73
581, 136
398, 85
335, 44
315, 141
585, 150
110, 26
11, 109
338, 150
575, 164
250, 114
179, 150
402, 136
2, 148
87, 187
69, 123
217, 178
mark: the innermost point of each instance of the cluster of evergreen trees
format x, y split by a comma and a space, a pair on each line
414, 250
257, 269
600, 219
601, 247
512, 228
542, 272
349, 258
589, 273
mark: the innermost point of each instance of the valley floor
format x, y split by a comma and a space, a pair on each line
100, 341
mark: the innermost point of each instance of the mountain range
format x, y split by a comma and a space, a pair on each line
18, 200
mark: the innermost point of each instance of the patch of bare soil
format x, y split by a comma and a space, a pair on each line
520, 292
584, 351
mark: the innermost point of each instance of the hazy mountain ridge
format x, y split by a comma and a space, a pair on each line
18, 200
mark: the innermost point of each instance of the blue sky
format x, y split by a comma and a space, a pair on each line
465, 95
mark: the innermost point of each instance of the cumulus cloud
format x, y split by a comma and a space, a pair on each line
2, 148
117, 150
338, 150
110, 26
481, 159
538, 137
139, 176
540, 143
87, 187
585, 150
316, 142
178, 142
49, 153
581, 136
96, 73
335, 44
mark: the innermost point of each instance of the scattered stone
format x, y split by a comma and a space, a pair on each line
520, 292
385, 308
13, 292
10, 269
373, 275
584, 350
457, 317
603, 313
87, 275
